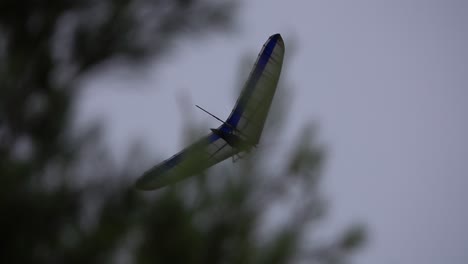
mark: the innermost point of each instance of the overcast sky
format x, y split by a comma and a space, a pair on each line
387, 83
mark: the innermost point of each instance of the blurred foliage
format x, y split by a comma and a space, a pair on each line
63, 200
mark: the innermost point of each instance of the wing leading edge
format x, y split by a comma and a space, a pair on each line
252, 107
194, 159
240, 132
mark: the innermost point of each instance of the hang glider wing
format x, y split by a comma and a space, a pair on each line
240, 132
194, 159
251, 109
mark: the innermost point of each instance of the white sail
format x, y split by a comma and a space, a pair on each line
240, 132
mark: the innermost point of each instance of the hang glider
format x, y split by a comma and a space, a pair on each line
238, 134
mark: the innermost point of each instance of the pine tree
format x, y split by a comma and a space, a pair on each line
47, 215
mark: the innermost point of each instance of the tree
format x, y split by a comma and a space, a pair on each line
48, 216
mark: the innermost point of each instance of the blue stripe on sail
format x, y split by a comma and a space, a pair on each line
262, 62
173, 161
223, 128
226, 128
213, 138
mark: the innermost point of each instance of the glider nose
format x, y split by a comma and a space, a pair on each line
216, 131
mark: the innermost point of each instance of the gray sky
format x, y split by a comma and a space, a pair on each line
387, 82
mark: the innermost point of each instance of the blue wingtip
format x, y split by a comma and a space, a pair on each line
276, 36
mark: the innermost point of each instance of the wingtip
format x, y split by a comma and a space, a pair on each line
140, 185
144, 183
277, 35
